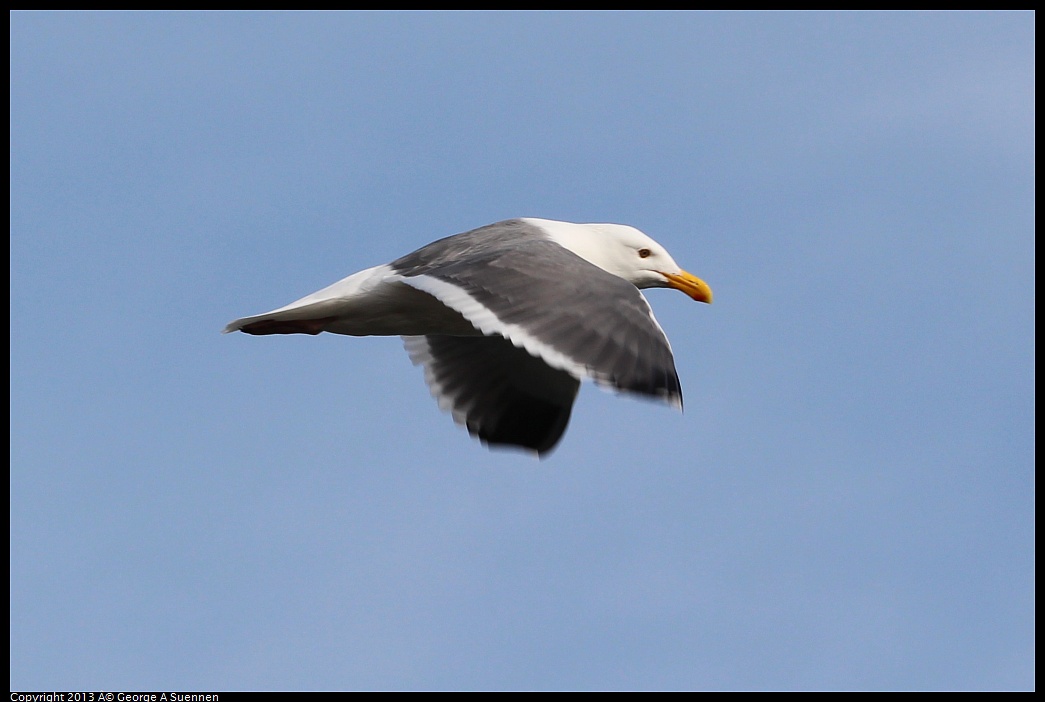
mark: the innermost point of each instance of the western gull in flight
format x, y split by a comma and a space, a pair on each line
507, 319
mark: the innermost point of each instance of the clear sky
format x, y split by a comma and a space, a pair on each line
847, 501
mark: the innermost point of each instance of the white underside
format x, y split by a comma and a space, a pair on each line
373, 302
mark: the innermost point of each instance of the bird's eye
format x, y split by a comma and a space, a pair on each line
644, 253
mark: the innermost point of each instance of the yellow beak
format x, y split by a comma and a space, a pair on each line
689, 284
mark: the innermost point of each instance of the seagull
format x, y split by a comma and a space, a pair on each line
509, 318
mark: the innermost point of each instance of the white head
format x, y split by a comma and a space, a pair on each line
627, 253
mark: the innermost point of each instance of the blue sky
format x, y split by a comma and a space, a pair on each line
846, 503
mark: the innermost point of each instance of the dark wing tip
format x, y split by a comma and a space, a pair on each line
527, 422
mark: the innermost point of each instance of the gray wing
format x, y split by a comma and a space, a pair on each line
572, 314
502, 394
